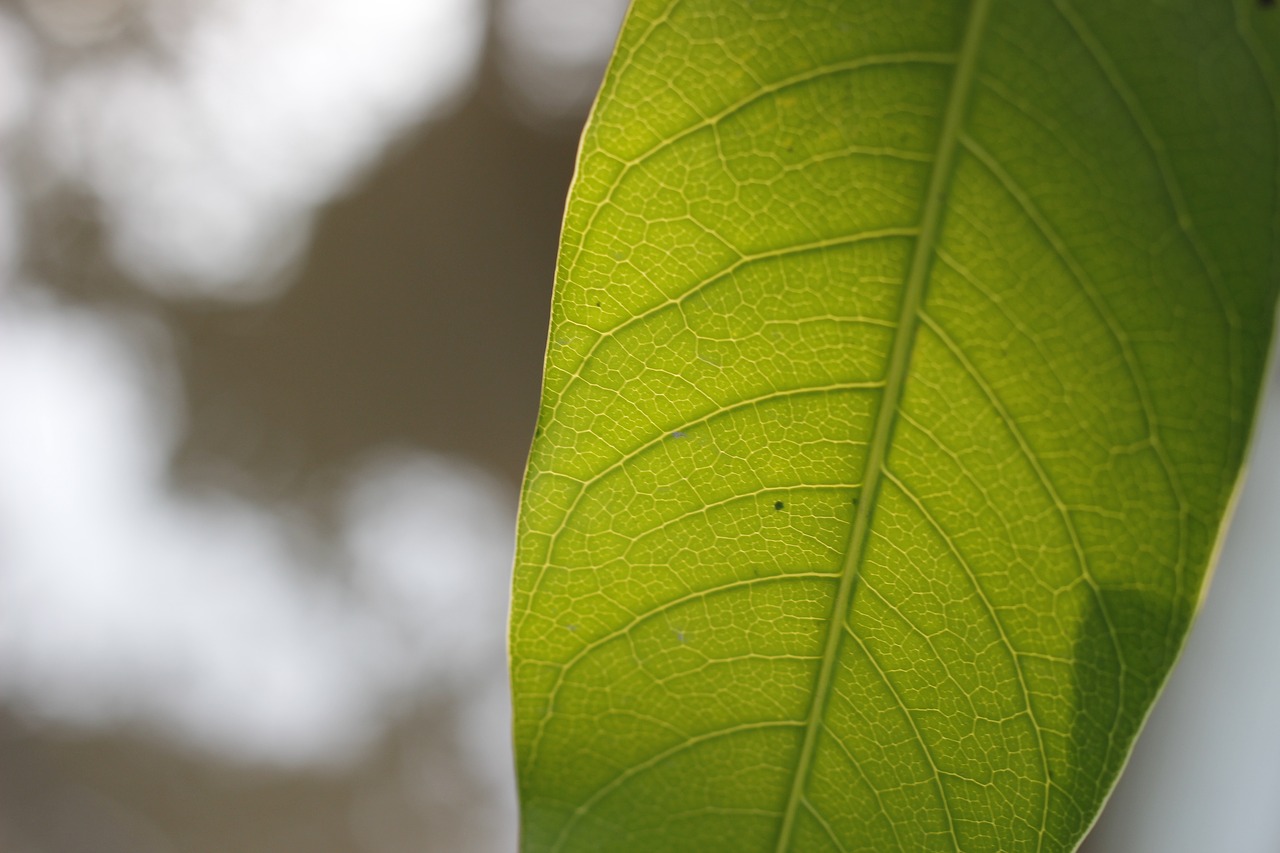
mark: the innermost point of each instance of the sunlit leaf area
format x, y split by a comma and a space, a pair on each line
275, 278
896, 390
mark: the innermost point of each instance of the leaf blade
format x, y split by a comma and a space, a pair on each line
720, 406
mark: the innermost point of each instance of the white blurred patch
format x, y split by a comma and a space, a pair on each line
209, 153
553, 52
425, 535
123, 600
16, 73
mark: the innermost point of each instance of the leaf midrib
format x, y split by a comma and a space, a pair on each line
886, 417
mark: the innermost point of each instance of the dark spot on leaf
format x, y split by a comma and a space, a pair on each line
1266, 4
677, 434
597, 304
778, 505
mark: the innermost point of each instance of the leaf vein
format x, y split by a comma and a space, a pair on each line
914, 286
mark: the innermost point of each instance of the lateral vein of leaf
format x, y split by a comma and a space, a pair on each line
998, 623
862, 62
911, 721
899, 361
1109, 321
743, 260
858, 768
639, 619
1064, 513
1186, 223
822, 822
654, 761
664, 435
703, 509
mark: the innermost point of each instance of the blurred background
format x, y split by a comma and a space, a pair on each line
274, 280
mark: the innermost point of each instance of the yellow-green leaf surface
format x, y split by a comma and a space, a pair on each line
902, 362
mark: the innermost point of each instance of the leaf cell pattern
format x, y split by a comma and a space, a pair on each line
902, 362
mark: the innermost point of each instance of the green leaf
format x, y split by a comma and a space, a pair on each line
902, 362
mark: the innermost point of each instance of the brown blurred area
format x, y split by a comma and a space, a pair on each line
112, 793
418, 316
